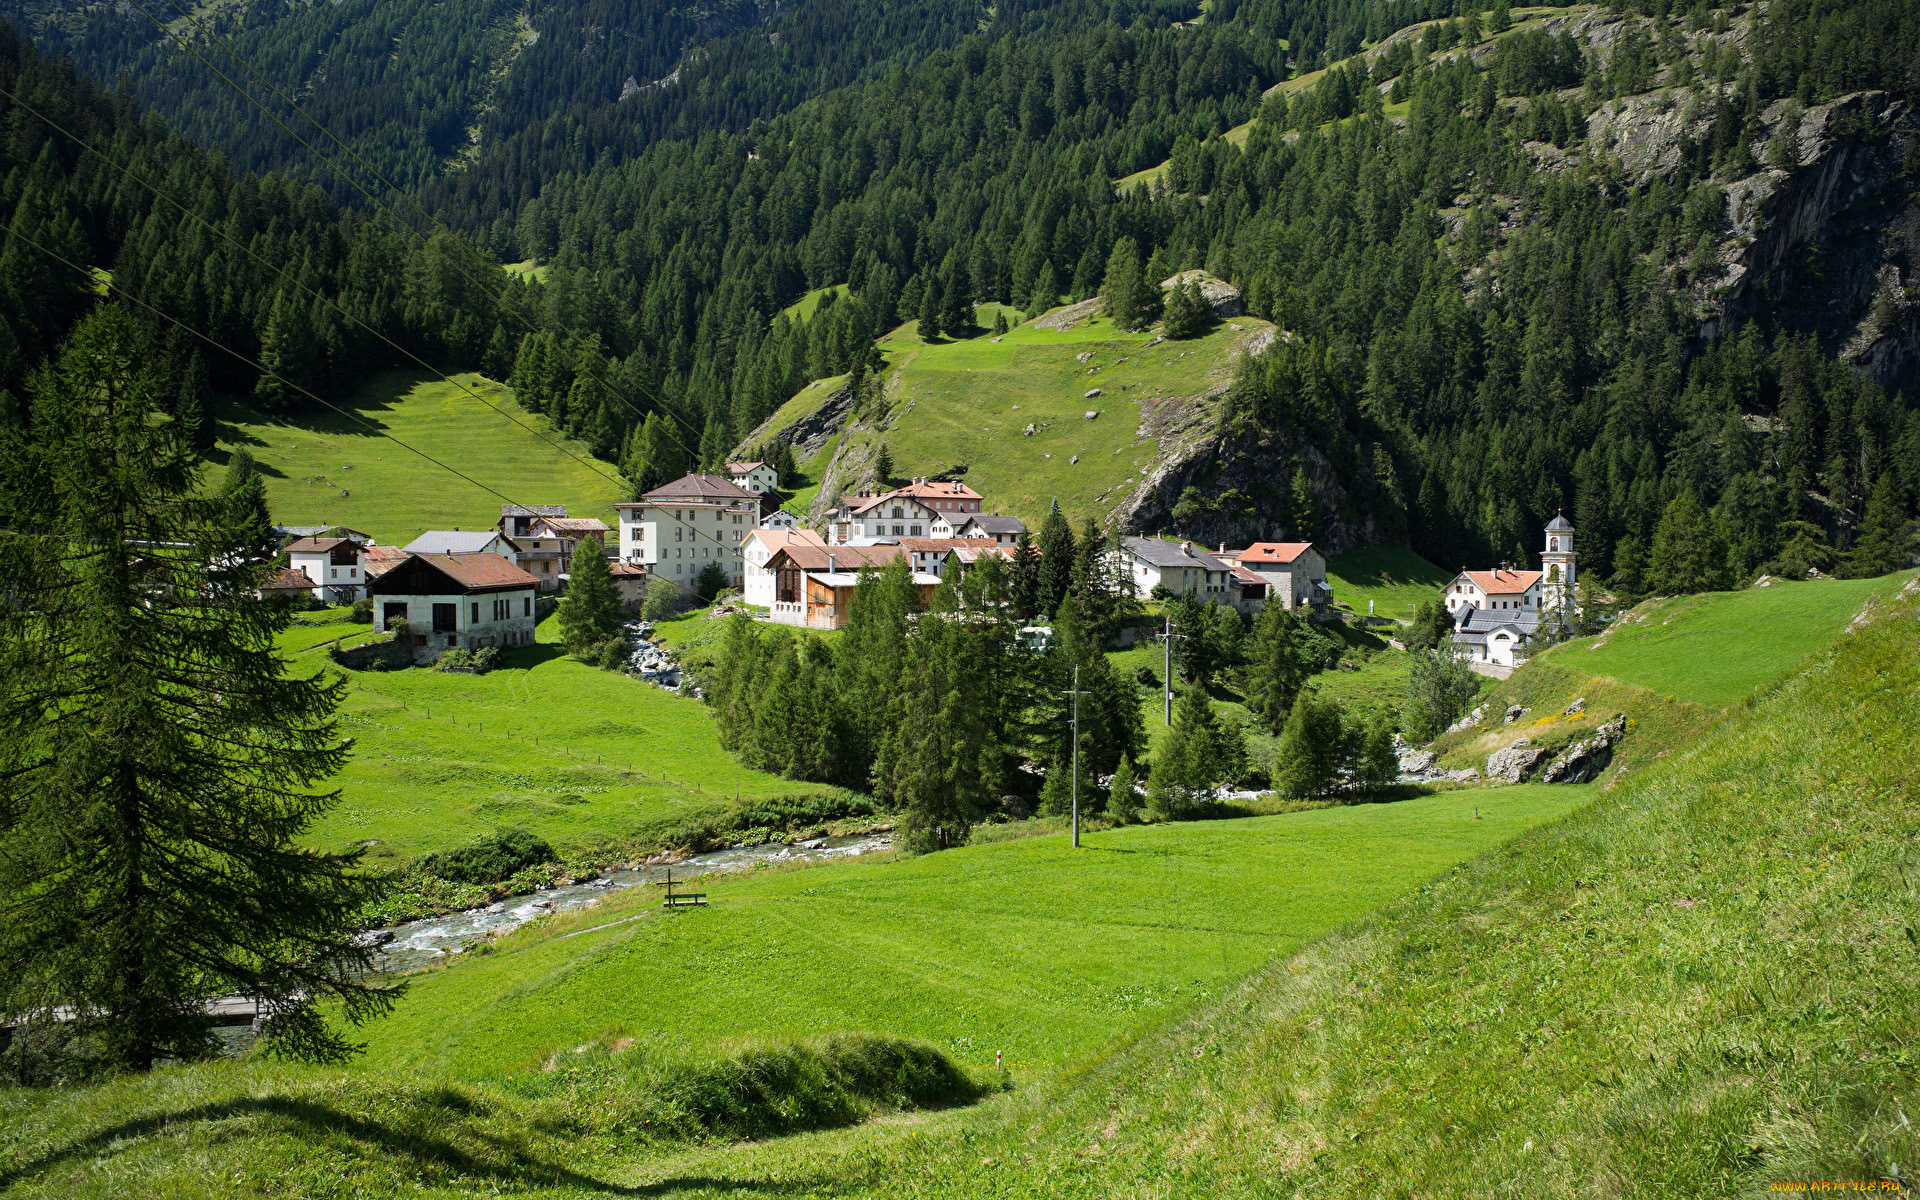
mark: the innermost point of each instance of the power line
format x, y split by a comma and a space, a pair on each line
312, 291
87, 273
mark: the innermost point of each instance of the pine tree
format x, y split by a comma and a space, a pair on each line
1024, 577
1187, 312
151, 839
930, 309
1132, 301
1046, 291
1282, 658
1184, 769
590, 611
1884, 540
1313, 747
244, 492
289, 356
1687, 555
1056, 547
883, 466
999, 323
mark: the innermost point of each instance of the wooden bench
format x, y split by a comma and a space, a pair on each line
683, 899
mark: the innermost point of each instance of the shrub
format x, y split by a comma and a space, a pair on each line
490, 859
612, 654
362, 611
471, 662
663, 599
1145, 676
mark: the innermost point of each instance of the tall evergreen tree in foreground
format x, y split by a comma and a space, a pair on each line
590, 611
156, 759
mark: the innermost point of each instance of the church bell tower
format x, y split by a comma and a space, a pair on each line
1559, 563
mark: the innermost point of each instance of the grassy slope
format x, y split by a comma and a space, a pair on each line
327, 469
1395, 579
1025, 947
967, 402
576, 754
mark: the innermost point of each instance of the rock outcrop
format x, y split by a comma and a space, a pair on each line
1514, 763
1584, 760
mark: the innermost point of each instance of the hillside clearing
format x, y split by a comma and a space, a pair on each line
327, 469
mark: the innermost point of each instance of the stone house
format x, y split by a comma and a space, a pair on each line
1181, 567
1295, 572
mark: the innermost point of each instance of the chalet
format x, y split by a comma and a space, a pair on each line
455, 541
334, 564
466, 600
931, 555
674, 531
287, 583
813, 585
1180, 567
1004, 530
756, 552
864, 518
516, 520
1295, 573
946, 498
756, 477
1502, 589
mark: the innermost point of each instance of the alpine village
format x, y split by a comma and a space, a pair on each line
1150, 599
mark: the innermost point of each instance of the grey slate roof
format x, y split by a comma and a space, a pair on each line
993, 523
533, 510
701, 488
1560, 524
1157, 553
450, 541
1482, 621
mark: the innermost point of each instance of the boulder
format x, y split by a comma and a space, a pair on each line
1091, 413
1583, 761
1512, 764
1092, 392
1084, 357
1466, 775
1576, 708
1515, 712
1416, 762
1468, 721
1224, 298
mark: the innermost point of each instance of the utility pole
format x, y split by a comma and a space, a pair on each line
1166, 637
1076, 693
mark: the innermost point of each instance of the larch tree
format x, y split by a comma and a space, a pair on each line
590, 611
159, 761
1687, 555
1314, 747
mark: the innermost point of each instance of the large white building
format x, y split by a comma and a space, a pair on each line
676, 530
464, 601
1496, 613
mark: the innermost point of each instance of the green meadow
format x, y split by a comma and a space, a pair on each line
326, 468
1719, 647
578, 755
1024, 947
1394, 579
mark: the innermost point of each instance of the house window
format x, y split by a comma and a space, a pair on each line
445, 617
526, 606
916, 531
476, 612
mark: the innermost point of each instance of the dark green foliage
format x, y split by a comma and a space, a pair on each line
590, 611
1315, 746
458, 659
1687, 552
1133, 301
664, 598
1188, 765
1123, 801
1376, 763
1432, 627
1055, 568
1885, 540
883, 466
1187, 313
1282, 654
490, 859
711, 581
158, 759
1440, 688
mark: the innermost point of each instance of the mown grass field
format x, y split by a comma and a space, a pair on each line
1394, 579
1025, 947
1719, 647
578, 755
327, 469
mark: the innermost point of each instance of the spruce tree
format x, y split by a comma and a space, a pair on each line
1187, 312
1884, 540
244, 492
1024, 577
160, 759
1123, 801
1184, 769
590, 611
1687, 555
1056, 559
1132, 301
1282, 657
883, 466
1313, 747
289, 356
930, 310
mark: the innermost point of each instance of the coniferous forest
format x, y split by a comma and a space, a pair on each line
1494, 310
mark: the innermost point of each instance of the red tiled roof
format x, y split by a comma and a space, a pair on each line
1503, 583
1272, 552
316, 545
286, 579
921, 545
619, 568
380, 559
709, 488
921, 488
480, 570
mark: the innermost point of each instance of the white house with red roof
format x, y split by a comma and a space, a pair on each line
1496, 613
335, 566
755, 477
757, 549
465, 601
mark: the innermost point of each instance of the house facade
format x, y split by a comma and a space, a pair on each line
756, 477
1495, 636
676, 530
1181, 567
335, 565
465, 601
1497, 613
780, 518
1502, 589
814, 584
516, 520
944, 497
930, 556
1295, 572
883, 516
1004, 530
756, 552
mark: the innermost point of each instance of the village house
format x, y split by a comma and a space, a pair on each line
676, 530
866, 518
756, 552
457, 541
333, 564
814, 585
1004, 530
947, 498
780, 518
756, 477
1181, 567
466, 601
516, 520
1497, 613
630, 581
545, 537
1295, 573
931, 555
286, 583
378, 560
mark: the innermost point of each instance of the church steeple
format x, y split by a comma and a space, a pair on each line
1560, 564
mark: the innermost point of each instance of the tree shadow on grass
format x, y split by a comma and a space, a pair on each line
311, 1121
